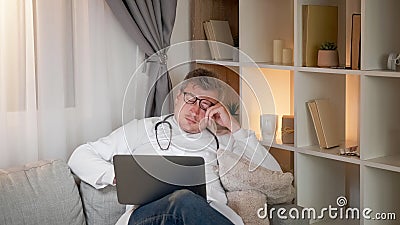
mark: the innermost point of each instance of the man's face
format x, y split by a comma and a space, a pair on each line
190, 116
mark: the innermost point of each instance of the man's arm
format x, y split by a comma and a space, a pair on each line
91, 167
92, 162
245, 141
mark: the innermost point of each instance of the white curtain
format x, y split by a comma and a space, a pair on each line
64, 67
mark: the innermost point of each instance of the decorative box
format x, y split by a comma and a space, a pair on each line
288, 129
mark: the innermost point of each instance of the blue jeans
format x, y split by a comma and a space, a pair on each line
182, 207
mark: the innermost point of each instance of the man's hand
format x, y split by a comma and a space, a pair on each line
222, 117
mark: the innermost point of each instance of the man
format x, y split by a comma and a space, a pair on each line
196, 108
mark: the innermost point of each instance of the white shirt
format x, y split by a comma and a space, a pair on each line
92, 162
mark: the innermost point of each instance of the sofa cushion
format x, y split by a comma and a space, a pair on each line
101, 205
43, 192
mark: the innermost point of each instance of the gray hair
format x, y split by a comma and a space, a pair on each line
205, 79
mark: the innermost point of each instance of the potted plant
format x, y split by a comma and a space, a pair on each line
328, 55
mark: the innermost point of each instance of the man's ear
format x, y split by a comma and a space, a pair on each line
179, 93
177, 96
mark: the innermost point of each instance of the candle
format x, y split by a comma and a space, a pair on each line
278, 46
287, 56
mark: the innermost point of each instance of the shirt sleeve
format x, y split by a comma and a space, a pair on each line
247, 144
92, 162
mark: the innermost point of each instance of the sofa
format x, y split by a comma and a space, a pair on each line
46, 192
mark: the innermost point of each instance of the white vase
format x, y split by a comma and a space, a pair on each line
268, 125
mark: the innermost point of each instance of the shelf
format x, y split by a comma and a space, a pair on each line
278, 144
247, 64
218, 62
391, 163
332, 153
363, 101
380, 122
329, 70
261, 22
378, 40
271, 65
381, 73
381, 193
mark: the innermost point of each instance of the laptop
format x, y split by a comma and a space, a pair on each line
141, 179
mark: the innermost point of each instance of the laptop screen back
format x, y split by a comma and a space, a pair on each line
145, 178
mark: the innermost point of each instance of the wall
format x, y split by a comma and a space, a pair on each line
180, 34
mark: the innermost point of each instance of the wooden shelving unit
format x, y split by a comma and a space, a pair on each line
365, 101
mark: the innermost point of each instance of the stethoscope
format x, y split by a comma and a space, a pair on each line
170, 133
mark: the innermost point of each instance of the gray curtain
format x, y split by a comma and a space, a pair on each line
150, 23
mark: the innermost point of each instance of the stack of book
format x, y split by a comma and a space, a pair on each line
325, 123
220, 39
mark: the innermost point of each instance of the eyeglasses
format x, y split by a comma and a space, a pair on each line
204, 104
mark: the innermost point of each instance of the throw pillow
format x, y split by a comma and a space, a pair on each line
42, 192
235, 176
246, 204
101, 205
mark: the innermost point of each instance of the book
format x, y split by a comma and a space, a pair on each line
312, 106
211, 45
320, 24
324, 123
220, 32
355, 41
